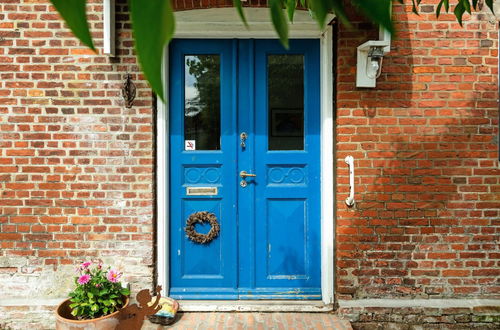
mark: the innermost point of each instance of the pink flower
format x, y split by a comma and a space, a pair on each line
113, 276
84, 279
86, 264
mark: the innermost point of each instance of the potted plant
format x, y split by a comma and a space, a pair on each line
96, 300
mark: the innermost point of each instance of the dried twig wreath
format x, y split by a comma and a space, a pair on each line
202, 217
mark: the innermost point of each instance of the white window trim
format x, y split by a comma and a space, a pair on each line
194, 24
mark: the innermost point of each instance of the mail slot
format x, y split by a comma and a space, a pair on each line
201, 191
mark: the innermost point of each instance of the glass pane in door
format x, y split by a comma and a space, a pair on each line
286, 102
202, 102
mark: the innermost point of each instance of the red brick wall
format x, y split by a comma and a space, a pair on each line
425, 142
76, 166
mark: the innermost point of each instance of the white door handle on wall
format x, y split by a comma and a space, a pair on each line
350, 162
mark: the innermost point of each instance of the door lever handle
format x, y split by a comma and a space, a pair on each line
244, 174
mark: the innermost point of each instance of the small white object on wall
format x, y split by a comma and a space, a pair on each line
350, 200
109, 27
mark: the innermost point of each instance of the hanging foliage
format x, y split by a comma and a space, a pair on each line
153, 22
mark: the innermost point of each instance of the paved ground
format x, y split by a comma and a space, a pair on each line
228, 320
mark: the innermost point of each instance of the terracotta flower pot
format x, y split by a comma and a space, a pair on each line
66, 321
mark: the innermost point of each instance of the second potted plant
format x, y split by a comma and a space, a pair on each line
96, 300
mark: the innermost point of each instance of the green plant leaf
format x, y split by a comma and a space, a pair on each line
378, 11
125, 291
489, 3
73, 13
153, 25
466, 5
279, 21
239, 8
459, 12
290, 9
438, 8
74, 312
414, 6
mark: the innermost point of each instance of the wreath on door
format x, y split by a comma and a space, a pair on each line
202, 217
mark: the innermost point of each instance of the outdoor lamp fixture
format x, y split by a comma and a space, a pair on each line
370, 58
374, 62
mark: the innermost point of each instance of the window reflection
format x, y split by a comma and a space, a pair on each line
202, 102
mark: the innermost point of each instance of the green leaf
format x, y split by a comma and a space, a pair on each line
466, 5
239, 8
103, 292
489, 3
438, 8
414, 7
153, 25
125, 291
90, 294
73, 13
459, 12
279, 21
320, 9
378, 11
290, 8
74, 312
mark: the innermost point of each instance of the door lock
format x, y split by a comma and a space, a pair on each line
243, 138
244, 175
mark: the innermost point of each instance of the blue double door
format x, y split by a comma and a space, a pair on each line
244, 145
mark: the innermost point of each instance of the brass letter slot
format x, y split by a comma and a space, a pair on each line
201, 191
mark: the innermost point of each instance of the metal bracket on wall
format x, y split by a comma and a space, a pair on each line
128, 91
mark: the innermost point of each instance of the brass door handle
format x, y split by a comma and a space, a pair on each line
244, 174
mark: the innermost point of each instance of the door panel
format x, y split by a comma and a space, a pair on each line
287, 230
269, 243
202, 89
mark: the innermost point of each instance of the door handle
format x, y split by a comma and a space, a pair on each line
244, 174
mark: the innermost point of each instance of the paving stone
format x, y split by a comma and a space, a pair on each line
244, 321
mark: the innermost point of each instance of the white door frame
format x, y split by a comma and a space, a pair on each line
223, 23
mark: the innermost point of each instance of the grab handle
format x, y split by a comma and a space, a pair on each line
350, 162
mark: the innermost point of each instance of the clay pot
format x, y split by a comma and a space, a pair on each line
66, 321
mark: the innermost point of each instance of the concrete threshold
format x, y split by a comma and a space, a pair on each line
254, 306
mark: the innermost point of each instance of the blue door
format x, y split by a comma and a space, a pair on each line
244, 146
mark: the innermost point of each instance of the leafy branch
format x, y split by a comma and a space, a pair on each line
153, 22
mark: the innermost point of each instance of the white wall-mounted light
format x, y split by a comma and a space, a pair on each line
370, 59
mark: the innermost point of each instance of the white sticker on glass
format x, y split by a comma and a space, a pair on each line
190, 145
